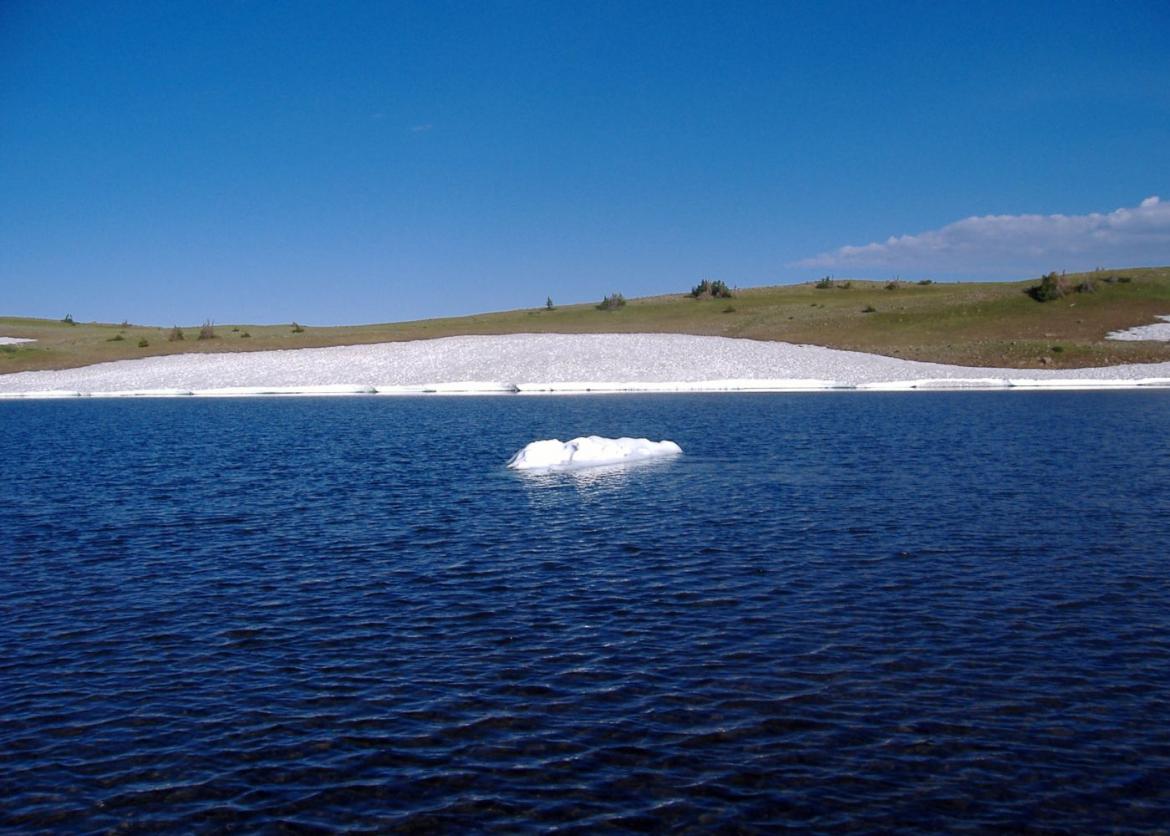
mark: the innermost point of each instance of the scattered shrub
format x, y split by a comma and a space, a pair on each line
869, 309
1058, 348
142, 343
125, 323
548, 304
235, 330
893, 285
117, 338
612, 302
845, 286
1124, 279
207, 330
245, 335
729, 309
176, 335
297, 329
1051, 287
925, 282
68, 320
1087, 286
824, 284
717, 289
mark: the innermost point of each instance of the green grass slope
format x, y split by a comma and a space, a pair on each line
971, 324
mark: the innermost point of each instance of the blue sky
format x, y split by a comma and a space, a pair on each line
367, 162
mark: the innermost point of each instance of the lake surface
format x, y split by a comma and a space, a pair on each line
834, 611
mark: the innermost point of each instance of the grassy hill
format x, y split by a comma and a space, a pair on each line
973, 324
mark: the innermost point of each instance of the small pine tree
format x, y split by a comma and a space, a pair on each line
717, 289
1051, 287
548, 304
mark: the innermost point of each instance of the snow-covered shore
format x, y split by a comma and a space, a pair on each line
532, 363
1158, 331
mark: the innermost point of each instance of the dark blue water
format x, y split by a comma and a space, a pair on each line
835, 611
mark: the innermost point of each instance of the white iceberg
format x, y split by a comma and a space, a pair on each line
588, 451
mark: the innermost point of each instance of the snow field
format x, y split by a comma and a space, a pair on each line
546, 363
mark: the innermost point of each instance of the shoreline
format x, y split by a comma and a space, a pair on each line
474, 388
549, 364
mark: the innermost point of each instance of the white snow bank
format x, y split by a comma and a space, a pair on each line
455, 387
539, 363
936, 383
249, 391
588, 451
1158, 331
734, 385
14, 340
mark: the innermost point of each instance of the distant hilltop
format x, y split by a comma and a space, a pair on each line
1054, 321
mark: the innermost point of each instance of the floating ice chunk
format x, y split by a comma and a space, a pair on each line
588, 451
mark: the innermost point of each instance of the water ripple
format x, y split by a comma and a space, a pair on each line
833, 612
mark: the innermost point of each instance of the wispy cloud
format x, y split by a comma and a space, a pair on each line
419, 129
1124, 237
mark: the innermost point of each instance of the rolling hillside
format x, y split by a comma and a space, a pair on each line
973, 324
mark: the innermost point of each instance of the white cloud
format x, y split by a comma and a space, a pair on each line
1122, 238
